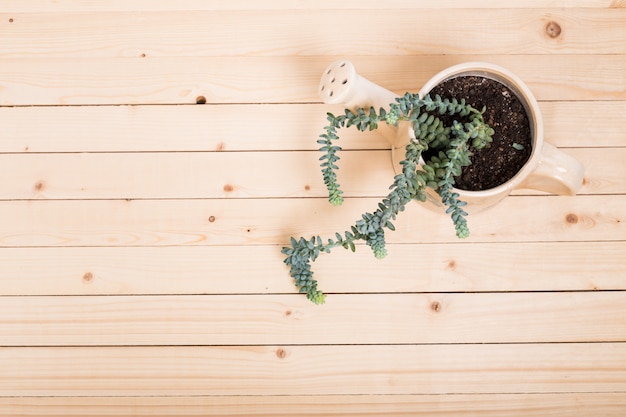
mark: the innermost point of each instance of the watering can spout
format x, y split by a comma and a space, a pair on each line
340, 84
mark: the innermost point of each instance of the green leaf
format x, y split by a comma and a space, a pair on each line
452, 142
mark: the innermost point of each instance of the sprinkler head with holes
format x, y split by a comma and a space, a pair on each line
340, 84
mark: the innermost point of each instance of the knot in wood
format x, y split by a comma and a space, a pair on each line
571, 218
435, 306
451, 265
553, 29
281, 353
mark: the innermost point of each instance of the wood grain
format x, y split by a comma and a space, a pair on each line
215, 128
273, 221
584, 124
291, 79
179, 128
140, 231
292, 319
447, 267
314, 370
236, 174
455, 405
306, 32
185, 5
190, 175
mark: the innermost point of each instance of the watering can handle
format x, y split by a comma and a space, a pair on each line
557, 173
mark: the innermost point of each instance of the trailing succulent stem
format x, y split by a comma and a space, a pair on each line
450, 149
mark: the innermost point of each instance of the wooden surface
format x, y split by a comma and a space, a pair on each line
140, 232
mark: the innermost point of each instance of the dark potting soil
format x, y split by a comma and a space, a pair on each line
511, 146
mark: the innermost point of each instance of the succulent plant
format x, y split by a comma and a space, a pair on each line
449, 149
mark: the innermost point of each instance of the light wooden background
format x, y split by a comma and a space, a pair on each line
140, 232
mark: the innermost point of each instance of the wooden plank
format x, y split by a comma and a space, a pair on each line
584, 124
453, 405
312, 32
604, 174
182, 128
226, 282
39, 6
448, 267
191, 175
596, 316
218, 127
236, 174
313, 370
273, 221
180, 80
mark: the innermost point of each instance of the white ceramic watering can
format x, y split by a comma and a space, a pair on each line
548, 169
